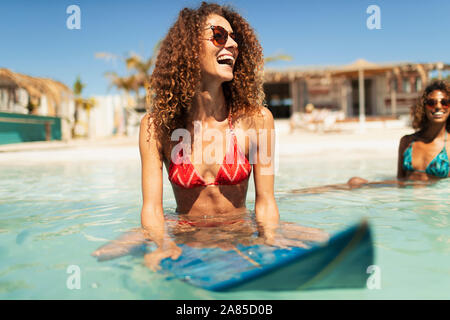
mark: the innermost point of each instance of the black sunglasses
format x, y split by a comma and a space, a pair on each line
431, 103
220, 35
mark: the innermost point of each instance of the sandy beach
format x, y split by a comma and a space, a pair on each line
350, 143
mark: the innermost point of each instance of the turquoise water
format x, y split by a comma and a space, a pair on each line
54, 215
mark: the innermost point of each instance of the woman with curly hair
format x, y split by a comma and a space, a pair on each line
207, 83
423, 156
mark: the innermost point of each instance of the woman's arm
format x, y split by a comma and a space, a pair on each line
266, 209
404, 142
152, 215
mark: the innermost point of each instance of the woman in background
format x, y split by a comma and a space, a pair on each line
423, 156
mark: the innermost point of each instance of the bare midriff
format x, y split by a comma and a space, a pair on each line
212, 200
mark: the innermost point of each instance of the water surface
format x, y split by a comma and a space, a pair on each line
54, 215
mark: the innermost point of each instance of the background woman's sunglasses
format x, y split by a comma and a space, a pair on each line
220, 35
431, 103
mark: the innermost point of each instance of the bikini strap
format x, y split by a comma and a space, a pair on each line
230, 123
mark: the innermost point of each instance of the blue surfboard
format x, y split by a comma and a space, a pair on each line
340, 263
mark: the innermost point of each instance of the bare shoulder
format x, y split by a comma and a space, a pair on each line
406, 140
262, 118
144, 129
147, 134
147, 122
148, 127
266, 118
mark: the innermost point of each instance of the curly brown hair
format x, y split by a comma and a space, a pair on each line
420, 121
177, 73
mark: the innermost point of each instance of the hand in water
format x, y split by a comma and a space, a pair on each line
153, 259
292, 235
127, 243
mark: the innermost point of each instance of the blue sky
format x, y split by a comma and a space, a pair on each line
35, 40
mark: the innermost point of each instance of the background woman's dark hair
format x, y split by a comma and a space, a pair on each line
420, 120
177, 73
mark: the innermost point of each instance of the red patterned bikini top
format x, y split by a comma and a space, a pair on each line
238, 168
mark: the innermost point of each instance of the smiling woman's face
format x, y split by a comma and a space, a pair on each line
217, 62
436, 113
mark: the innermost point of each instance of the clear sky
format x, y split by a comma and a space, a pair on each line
34, 38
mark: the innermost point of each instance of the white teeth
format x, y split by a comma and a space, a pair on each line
439, 113
226, 57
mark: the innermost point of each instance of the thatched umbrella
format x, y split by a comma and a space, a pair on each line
14, 81
55, 91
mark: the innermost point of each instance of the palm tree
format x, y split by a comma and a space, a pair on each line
277, 57
140, 70
86, 104
78, 87
127, 84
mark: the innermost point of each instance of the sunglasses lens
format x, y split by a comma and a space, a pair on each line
220, 35
430, 103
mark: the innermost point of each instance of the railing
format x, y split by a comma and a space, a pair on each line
15, 128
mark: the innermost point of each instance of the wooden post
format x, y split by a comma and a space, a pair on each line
362, 106
48, 131
294, 95
394, 100
344, 97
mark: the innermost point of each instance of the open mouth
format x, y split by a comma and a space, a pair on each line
438, 113
226, 60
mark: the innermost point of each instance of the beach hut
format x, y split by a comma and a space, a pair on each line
34, 108
362, 90
45, 96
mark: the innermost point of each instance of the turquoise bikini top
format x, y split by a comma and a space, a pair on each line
438, 167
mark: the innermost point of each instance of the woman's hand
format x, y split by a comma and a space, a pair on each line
283, 243
292, 235
153, 259
125, 244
